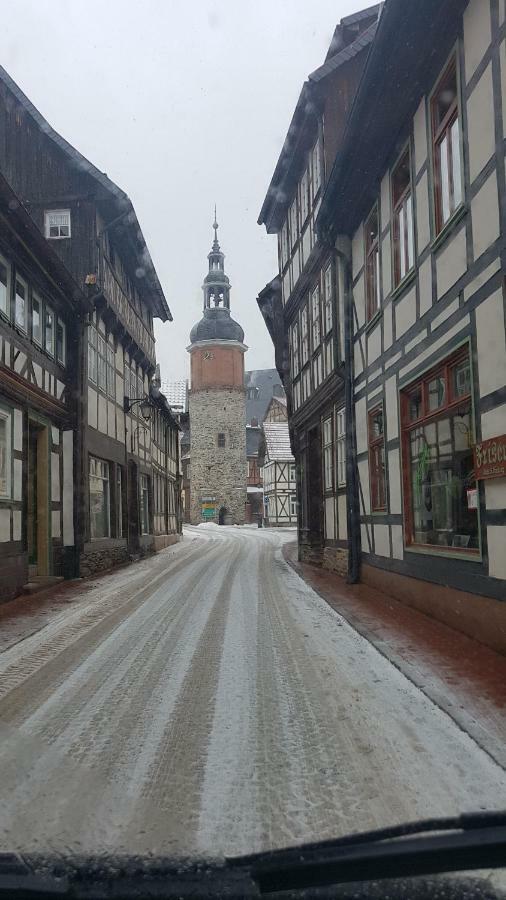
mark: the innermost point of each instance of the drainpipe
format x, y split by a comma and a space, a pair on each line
352, 506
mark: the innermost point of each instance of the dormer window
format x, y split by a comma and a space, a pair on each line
57, 223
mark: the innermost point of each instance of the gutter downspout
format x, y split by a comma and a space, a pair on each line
352, 506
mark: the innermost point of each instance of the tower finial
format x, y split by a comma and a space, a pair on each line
216, 245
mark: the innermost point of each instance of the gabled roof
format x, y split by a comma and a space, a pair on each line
123, 203
177, 394
277, 442
263, 382
278, 194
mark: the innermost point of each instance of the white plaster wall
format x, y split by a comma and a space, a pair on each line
111, 419
381, 540
55, 435
493, 422
361, 425
392, 416
342, 519
359, 298
92, 408
102, 414
445, 314
425, 286
17, 489
363, 474
477, 34
55, 524
397, 542
37, 370
18, 430
447, 336
481, 279
451, 261
394, 481
330, 530
373, 344
491, 343
16, 524
405, 312
68, 488
496, 540
420, 135
19, 361
387, 325
55, 477
364, 535
485, 216
357, 250
423, 213
480, 114
495, 492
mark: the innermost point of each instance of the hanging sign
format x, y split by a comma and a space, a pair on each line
490, 458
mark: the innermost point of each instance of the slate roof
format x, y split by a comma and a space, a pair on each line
277, 441
217, 325
264, 380
177, 394
124, 204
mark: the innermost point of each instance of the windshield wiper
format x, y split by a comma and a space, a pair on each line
462, 843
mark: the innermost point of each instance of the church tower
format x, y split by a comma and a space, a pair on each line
218, 468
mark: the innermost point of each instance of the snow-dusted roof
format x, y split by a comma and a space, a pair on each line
177, 394
277, 441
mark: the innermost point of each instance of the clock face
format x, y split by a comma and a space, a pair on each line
208, 354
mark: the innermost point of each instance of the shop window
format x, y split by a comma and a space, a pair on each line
221, 439
341, 447
441, 508
328, 455
144, 498
446, 146
100, 519
5, 452
402, 206
376, 435
36, 319
21, 303
372, 267
4, 288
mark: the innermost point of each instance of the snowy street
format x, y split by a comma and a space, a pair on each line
207, 700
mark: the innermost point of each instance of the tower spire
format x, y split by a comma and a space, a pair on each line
216, 284
216, 245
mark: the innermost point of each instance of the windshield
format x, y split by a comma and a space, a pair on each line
252, 422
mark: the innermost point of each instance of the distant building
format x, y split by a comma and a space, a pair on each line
261, 385
278, 466
176, 393
217, 404
277, 410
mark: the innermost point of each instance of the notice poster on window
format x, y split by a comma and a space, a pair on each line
472, 498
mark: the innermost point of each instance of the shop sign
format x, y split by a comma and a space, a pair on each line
490, 458
208, 505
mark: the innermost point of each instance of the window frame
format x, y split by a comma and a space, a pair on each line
377, 473
221, 440
400, 204
328, 454
372, 266
107, 494
63, 358
304, 334
328, 311
18, 278
341, 447
49, 311
450, 406
7, 313
37, 298
316, 328
6, 414
47, 224
144, 504
438, 132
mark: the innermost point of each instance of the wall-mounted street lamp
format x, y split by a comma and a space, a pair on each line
145, 406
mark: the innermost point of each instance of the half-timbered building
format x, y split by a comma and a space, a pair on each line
303, 308
278, 473
416, 206
91, 225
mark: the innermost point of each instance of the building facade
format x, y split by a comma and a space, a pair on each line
218, 463
425, 236
304, 308
120, 454
278, 472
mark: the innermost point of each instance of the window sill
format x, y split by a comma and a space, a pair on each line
447, 229
404, 284
379, 512
374, 321
445, 552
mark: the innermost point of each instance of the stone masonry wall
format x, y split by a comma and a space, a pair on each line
215, 471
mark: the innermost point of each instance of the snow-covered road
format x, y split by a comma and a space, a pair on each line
208, 700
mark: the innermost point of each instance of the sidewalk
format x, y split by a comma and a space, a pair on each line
463, 677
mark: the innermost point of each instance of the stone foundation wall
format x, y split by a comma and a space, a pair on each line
94, 561
215, 471
336, 560
160, 541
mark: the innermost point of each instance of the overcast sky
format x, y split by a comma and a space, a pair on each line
182, 103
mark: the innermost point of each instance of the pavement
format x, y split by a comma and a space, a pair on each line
208, 700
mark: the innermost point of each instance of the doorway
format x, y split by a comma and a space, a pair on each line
37, 519
221, 515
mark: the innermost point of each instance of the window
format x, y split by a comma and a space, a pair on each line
327, 300
294, 224
316, 168
446, 147
438, 467
402, 206
21, 302
49, 331
57, 223
372, 269
119, 501
304, 335
341, 447
36, 319
92, 354
292, 472
284, 245
221, 439
60, 342
317, 370
144, 504
376, 436
293, 506
100, 520
111, 375
328, 455
315, 318
5, 452
295, 349
5, 288
101, 363
304, 198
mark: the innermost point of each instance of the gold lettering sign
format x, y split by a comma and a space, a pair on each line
490, 458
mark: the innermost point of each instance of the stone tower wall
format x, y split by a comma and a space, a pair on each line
215, 471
